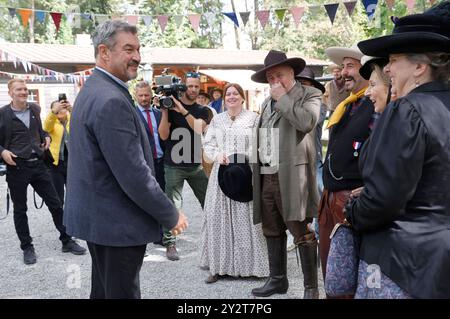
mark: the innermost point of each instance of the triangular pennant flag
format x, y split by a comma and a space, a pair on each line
12, 12
244, 16
147, 20
25, 66
370, 6
56, 16
195, 21
178, 19
29, 64
410, 5
297, 14
233, 17
331, 10
86, 16
163, 22
40, 15
210, 18
390, 4
280, 13
350, 6
132, 20
314, 10
25, 15
263, 17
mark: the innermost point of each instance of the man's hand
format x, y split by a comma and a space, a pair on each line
178, 107
8, 157
46, 144
356, 192
277, 91
181, 225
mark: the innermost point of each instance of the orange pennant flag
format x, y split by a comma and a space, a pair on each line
25, 15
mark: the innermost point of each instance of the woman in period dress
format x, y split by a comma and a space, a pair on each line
231, 244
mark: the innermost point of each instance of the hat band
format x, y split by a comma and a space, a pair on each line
422, 28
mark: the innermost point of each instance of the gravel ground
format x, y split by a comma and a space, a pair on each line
58, 275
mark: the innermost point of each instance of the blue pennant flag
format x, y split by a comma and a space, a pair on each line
331, 10
233, 17
370, 6
86, 16
40, 15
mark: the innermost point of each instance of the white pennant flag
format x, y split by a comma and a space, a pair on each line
178, 19
25, 66
147, 20
210, 17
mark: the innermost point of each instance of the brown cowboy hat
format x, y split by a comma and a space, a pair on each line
275, 58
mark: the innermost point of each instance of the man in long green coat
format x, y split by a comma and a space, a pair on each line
285, 194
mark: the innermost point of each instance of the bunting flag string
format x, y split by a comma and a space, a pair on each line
42, 73
263, 16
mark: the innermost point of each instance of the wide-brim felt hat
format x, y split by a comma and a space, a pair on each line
235, 179
276, 58
366, 65
308, 74
417, 33
337, 54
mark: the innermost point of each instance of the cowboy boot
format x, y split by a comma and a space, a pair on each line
308, 259
277, 283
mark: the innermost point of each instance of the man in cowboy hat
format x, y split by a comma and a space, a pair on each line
350, 126
285, 193
335, 91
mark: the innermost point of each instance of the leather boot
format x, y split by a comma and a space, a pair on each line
277, 282
308, 259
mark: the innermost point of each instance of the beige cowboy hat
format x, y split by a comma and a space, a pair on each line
337, 54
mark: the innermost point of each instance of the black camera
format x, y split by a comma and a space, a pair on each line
167, 86
62, 97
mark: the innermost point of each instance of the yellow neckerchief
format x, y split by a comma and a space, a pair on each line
340, 109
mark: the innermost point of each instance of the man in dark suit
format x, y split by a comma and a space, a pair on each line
151, 117
22, 145
113, 200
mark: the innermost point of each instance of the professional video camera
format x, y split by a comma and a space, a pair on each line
167, 86
2, 168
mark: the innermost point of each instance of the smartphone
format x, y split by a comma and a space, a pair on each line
62, 97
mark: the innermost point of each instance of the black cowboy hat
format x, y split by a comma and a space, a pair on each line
235, 179
366, 65
416, 33
308, 74
275, 58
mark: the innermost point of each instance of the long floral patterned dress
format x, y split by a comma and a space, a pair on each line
231, 244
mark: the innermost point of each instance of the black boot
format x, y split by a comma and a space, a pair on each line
277, 282
308, 259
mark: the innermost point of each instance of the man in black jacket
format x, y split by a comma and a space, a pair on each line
22, 145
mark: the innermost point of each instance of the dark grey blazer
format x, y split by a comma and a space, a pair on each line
113, 198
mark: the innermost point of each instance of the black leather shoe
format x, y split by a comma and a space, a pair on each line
172, 253
29, 256
72, 247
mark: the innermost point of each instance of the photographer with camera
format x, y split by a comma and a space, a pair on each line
56, 125
181, 128
22, 145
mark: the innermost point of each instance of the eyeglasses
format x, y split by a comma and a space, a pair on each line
194, 75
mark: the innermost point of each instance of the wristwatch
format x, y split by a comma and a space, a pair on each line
187, 113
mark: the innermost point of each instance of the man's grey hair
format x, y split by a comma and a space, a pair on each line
106, 33
142, 84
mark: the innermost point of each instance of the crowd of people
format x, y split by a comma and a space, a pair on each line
257, 176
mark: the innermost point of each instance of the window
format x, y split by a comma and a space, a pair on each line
33, 96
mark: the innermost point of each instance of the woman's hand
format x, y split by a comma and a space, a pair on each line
222, 159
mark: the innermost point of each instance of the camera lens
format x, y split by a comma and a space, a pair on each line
167, 103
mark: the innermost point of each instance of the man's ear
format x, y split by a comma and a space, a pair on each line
421, 68
103, 52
